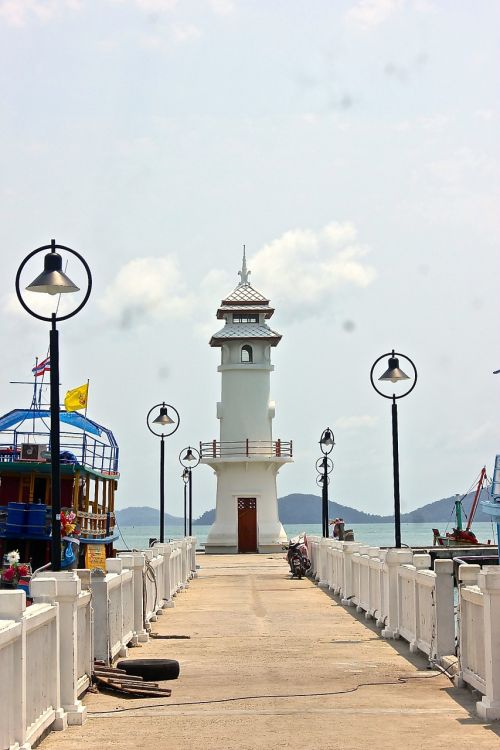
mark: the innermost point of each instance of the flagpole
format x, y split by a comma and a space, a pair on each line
84, 426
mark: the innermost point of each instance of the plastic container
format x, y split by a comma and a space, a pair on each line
36, 519
17, 517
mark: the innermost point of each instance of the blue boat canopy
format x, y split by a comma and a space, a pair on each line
72, 418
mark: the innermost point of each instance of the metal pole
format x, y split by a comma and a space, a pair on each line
395, 463
55, 446
190, 502
162, 490
185, 508
325, 496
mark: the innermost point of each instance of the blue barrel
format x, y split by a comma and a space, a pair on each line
36, 519
17, 516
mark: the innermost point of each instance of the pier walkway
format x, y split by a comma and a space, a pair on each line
276, 663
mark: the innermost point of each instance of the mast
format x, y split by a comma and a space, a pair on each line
458, 512
476, 498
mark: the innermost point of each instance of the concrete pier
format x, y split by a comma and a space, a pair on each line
278, 663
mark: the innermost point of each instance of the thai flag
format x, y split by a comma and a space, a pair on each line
41, 367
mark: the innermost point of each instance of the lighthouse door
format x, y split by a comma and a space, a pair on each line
247, 524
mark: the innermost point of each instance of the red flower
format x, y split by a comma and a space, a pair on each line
22, 570
9, 574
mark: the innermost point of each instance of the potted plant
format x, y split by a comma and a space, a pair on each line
15, 570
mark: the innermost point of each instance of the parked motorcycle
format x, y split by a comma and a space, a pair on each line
298, 557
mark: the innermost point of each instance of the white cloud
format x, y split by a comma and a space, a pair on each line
355, 422
146, 289
302, 268
186, 33
154, 6
19, 12
222, 7
370, 13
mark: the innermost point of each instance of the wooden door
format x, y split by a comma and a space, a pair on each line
247, 524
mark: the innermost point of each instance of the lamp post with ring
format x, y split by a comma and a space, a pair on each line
189, 460
185, 479
164, 427
394, 374
54, 281
326, 443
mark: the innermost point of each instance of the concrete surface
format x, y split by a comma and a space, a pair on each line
301, 655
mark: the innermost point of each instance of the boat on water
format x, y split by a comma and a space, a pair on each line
460, 537
89, 479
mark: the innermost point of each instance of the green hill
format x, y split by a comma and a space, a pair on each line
300, 508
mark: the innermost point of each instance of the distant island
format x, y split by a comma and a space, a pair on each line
298, 508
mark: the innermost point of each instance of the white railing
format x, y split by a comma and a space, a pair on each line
47, 650
411, 601
394, 587
29, 665
479, 642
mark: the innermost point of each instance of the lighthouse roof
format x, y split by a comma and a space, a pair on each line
253, 309
244, 298
245, 331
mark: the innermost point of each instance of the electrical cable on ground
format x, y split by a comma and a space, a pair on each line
398, 681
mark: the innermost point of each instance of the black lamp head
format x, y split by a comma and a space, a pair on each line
52, 280
327, 438
189, 457
163, 417
394, 373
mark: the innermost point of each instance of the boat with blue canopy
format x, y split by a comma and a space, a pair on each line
89, 478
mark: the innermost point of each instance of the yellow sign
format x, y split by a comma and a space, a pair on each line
95, 556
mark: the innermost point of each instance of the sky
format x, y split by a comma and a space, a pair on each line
351, 146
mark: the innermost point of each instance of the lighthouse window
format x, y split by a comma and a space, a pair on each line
246, 354
237, 318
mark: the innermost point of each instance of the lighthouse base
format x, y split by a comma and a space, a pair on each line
246, 518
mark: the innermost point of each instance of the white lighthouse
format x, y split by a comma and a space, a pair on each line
246, 459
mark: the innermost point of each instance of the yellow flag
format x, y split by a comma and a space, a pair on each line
77, 398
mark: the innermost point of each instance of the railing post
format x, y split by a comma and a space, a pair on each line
65, 588
347, 586
247, 446
13, 607
278, 447
489, 583
134, 561
467, 576
444, 609
214, 448
420, 562
393, 559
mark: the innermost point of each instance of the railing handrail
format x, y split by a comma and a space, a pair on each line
246, 447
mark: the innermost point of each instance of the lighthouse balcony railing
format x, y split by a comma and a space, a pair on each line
238, 448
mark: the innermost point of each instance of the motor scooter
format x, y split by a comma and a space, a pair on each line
298, 557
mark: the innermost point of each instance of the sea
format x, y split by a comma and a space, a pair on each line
374, 534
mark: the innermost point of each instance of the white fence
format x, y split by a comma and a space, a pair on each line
409, 600
479, 635
29, 641
76, 617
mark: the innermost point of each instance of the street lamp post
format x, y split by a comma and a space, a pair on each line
54, 281
189, 460
393, 374
326, 443
169, 426
185, 479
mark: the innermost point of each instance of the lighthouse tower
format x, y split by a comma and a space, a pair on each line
246, 459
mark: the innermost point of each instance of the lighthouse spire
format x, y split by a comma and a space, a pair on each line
244, 274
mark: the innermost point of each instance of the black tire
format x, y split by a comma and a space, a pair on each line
151, 670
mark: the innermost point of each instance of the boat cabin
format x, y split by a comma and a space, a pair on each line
89, 478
